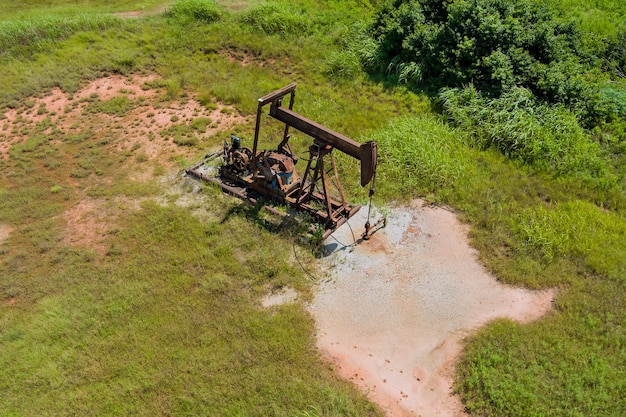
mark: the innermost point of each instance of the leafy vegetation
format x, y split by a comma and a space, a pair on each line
501, 48
494, 44
165, 317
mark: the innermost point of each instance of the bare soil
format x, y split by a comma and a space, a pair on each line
142, 130
393, 316
135, 14
284, 296
86, 225
5, 231
143, 125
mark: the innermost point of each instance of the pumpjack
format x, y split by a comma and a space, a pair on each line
251, 174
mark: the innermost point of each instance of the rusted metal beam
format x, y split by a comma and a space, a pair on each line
317, 131
366, 152
278, 94
311, 193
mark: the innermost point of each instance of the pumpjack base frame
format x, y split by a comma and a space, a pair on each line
253, 190
252, 174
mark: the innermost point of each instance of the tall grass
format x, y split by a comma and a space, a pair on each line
277, 19
547, 137
188, 10
420, 155
24, 37
356, 49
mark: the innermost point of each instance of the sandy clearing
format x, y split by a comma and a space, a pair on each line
284, 296
392, 318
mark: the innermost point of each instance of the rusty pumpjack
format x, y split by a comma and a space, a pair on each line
252, 173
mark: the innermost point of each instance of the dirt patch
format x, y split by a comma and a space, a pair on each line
142, 133
393, 316
86, 225
245, 59
5, 231
143, 129
284, 296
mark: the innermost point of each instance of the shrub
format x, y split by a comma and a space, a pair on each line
495, 44
189, 10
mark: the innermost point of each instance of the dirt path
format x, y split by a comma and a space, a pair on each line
393, 316
135, 14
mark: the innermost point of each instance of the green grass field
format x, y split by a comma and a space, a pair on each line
163, 315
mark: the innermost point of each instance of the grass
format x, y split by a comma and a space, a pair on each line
106, 339
38, 8
165, 318
603, 17
117, 106
23, 37
186, 134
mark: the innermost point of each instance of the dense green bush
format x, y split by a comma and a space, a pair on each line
495, 44
189, 10
536, 82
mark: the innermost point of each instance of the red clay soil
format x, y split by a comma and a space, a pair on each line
143, 128
147, 120
394, 314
